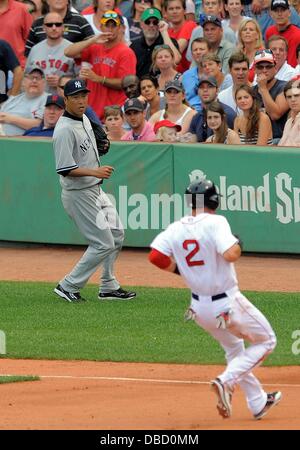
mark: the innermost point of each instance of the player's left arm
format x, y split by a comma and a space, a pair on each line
227, 244
163, 261
233, 253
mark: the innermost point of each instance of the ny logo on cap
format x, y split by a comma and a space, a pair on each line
130, 103
78, 84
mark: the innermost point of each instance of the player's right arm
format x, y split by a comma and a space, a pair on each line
161, 254
162, 261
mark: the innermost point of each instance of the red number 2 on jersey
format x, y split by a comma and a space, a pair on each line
192, 243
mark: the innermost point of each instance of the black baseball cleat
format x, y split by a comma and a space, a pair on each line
118, 294
71, 297
272, 400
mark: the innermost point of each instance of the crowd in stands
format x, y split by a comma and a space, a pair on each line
206, 71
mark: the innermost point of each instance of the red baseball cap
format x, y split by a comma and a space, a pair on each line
166, 123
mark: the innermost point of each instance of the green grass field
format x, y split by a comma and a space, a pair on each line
38, 325
16, 378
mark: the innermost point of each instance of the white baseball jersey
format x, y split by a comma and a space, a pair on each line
197, 245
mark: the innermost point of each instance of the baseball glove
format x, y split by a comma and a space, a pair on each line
102, 140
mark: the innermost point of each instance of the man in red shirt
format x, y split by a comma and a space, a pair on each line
111, 61
15, 23
179, 29
280, 12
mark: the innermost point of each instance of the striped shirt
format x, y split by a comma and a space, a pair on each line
251, 140
76, 28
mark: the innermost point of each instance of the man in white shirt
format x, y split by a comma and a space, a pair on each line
279, 47
238, 68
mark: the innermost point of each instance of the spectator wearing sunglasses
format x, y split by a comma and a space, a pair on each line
155, 33
111, 61
269, 91
76, 27
138, 7
49, 54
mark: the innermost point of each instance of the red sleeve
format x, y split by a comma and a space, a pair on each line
88, 10
187, 30
86, 53
269, 32
159, 259
126, 64
27, 25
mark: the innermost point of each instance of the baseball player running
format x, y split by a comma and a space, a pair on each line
202, 249
77, 163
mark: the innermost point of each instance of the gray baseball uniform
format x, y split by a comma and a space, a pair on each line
86, 203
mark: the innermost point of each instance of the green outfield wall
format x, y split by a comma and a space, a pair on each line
260, 190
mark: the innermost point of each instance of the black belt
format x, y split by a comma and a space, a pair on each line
213, 298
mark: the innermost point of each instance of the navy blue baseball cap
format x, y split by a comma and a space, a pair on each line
204, 19
74, 86
133, 104
279, 4
55, 100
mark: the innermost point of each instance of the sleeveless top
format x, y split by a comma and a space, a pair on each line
181, 118
176, 77
252, 140
211, 139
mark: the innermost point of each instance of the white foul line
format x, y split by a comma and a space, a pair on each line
143, 380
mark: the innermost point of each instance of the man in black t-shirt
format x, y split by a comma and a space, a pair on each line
269, 91
9, 62
155, 33
76, 27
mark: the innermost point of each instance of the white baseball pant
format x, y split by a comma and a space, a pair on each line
247, 323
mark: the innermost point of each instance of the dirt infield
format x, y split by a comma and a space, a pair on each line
114, 396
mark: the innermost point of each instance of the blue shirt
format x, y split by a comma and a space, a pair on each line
190, 80
90, 113
48, 132
199, 126
39, 131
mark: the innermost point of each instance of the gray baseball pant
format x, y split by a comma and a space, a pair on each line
98, 221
